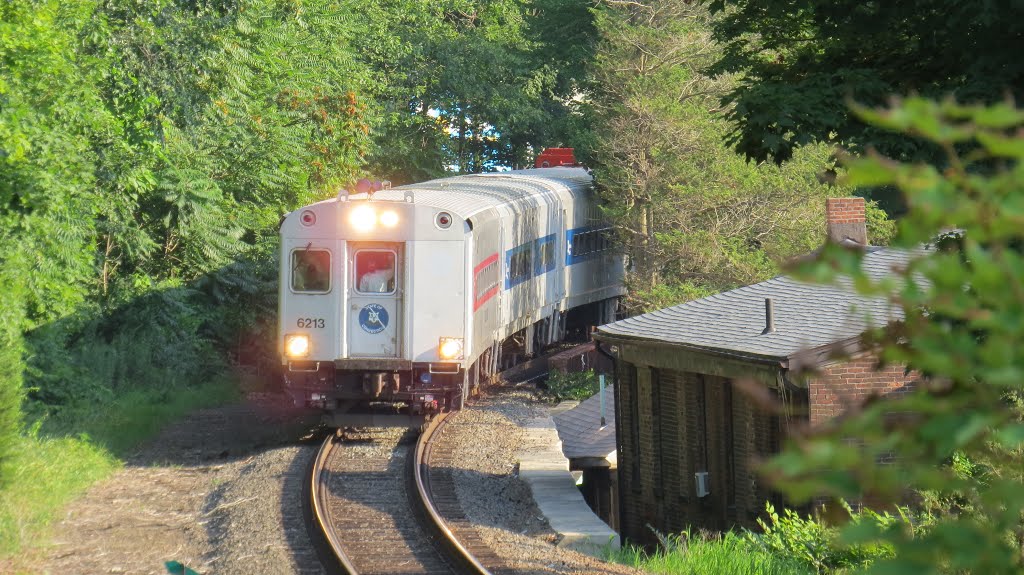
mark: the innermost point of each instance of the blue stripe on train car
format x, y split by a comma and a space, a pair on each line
518, 264
544, 259
574, 236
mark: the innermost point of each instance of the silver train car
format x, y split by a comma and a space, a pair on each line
396, 304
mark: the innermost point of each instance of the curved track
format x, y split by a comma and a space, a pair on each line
372, 500
391, 508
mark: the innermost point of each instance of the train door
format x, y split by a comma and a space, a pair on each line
559, 262
375, 300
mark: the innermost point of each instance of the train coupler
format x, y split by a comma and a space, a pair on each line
376, 383
424, 404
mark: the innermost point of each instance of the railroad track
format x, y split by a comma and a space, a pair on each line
386, 504
385, 501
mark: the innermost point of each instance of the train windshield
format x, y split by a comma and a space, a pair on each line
375, 271
311, 271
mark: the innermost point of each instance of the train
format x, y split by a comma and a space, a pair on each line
397, 303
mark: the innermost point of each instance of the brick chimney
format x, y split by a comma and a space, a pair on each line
846, 221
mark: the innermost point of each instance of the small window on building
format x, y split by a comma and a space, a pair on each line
375, 271
311, 271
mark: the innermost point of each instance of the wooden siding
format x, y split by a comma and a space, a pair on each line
680, 423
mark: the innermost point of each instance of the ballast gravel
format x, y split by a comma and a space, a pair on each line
220, 492
489, 436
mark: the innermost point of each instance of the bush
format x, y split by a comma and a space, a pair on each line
816, 545
577, 385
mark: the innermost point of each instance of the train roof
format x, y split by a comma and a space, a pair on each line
471, 194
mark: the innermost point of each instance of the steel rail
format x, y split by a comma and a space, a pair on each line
318, 493
467, 563
432, 520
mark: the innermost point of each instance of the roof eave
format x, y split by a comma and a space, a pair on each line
773, 360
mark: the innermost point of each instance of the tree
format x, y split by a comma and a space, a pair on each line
469, 85
693, 217
958, 440
802, 61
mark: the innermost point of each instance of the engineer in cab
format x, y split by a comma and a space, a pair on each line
376, 272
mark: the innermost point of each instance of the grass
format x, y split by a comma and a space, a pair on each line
59, 458
46, 474
136, 414
729, 555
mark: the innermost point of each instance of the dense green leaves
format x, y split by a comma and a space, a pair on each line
147, 152
149, 149
695, 219
803, 61
956, 440
471, 85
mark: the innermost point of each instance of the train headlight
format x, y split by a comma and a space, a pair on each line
296, 345
450, 348
389, 219
363, 218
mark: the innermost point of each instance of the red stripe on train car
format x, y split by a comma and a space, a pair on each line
490, 260
483, 299
477, 302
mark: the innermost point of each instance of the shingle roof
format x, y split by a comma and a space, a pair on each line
807, 316
580, 427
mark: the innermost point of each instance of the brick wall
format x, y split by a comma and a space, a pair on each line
845, 219
844, 210
845, 384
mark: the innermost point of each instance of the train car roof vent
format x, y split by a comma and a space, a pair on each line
554, 157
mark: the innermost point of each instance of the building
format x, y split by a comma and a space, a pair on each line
693, 382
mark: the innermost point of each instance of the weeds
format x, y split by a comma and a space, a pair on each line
700, 553
787, 543
580, 385
61, 455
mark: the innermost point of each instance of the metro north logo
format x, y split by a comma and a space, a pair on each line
373, 318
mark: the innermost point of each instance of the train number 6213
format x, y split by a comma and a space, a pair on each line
311, 322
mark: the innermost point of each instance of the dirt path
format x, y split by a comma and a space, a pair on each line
217, 491
220, 492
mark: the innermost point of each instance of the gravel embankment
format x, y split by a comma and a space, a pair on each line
494, 498
220, 492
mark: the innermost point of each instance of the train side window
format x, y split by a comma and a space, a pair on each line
311, 271
375, 271
545, 258
519, 265
577, 244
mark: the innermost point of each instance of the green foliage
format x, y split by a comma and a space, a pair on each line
62, 454
149, 149
574, 385
693, 217
730, 554
11, 368
45, 474
801, 62
786, 543
482, 83
134, 415
959, 438
881, 230
815, 545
